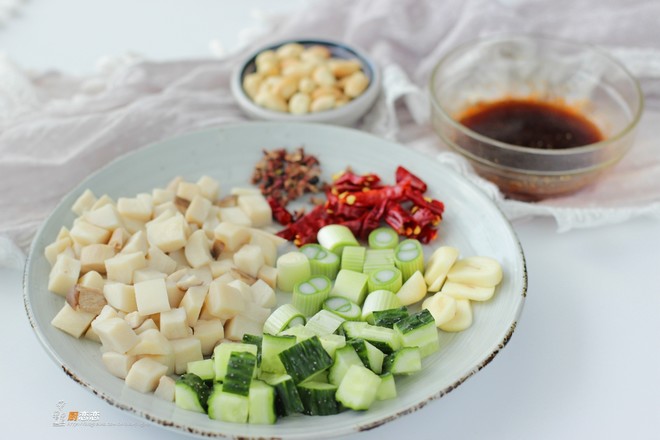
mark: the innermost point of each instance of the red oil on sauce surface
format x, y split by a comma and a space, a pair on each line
532, 123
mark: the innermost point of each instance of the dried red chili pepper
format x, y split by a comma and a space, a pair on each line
403, 175
280, 214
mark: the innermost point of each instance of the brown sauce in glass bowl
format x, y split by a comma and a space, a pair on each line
531, 123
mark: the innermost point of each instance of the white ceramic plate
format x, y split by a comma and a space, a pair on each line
471, 223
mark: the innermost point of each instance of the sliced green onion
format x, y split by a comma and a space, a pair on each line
378, 259
352, 258
343, 307
385, 279
283, 317
324, 323
378, 300
351, 285
292, 268
409, 258
321, 260
308, 296
335, 238
383, 238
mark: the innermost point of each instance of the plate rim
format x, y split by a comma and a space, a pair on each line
352, 428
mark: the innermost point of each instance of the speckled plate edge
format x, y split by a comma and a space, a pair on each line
190, 430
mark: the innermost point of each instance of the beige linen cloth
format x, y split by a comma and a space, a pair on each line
55, 128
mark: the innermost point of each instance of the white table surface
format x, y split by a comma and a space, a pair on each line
583, 362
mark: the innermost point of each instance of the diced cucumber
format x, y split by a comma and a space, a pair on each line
344, 358
358, 388
271, 347
287, 399
407, 360
419, 330
305, 359
332, 342
221, 355
387, 388
191, 393
261, 407
228, 407
385, 339
254, 340
387, 318
318, 398
371, 357
204, 369
240, 370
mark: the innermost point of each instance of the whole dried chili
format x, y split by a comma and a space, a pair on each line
363, 203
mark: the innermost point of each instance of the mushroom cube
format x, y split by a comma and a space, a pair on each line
71, 321
151, 297
120, 296
186, 350
168, 234
233, 236
145, 374
192, 302
115, 334
93, 256
174, 324
64, 274
209, 332
85, 233
118, 364
198, 249
249, 259
121, 267
198, 210
257, 209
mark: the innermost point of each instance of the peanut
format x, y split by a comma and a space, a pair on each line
251, 83
356, 84
322, 103
299, 103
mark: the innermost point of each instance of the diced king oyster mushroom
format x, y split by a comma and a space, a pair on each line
87, 299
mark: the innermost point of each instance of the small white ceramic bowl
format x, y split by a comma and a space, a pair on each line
348, 114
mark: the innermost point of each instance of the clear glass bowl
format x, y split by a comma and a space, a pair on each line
522, 67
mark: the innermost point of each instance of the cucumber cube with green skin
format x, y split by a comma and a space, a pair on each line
228, 407
332, 342
261, 404
387, 318
358, 388
318, 398
305, 359
287, 399
351, 285
204, 369
419, 330
385, 339
387, 388
254, 340
191, 393
407, 360
221, 355
271, 347
240, 370
344, 358
370, 356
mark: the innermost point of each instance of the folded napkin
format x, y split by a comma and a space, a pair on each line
56, 128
